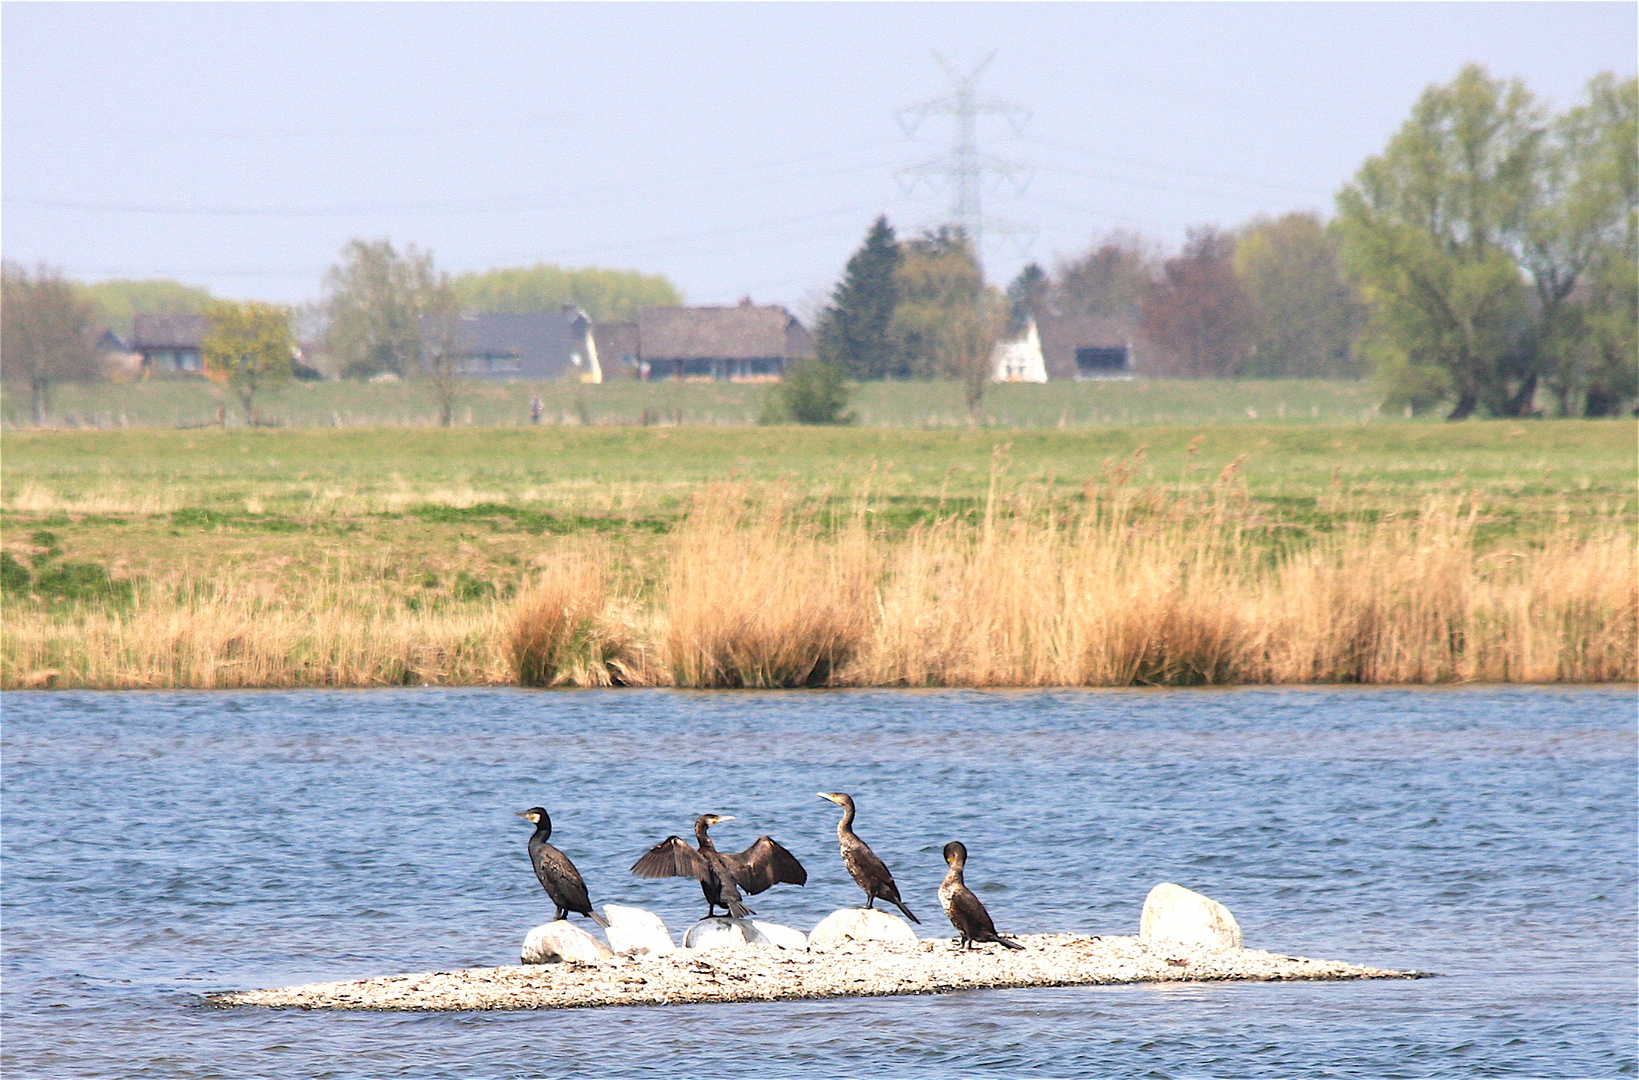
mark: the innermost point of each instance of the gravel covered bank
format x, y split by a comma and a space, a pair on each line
760, 973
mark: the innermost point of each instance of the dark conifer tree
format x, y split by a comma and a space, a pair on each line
854, 331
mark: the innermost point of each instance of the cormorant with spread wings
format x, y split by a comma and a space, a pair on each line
722, 874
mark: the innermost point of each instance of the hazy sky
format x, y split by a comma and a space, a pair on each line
741, 149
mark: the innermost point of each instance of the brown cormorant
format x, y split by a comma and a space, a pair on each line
722, 874
557, 874
966, 913
862, 863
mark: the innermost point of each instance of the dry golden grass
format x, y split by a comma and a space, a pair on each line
1123, 587
338, 633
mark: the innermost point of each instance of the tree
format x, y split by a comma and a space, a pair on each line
45, 332
1197, 314
947, 321
1027, 295
442, 335
118, 302
249, 347
1110, 279
375, 299
1480, 235
1304, 315
854, 332
604, 294
1589, 226
813, 391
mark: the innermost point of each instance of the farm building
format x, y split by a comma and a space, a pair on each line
539, 347
745, 343
169, 344
1089, 347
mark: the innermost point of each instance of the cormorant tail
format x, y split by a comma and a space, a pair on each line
739, 910
599, 919
901, 906
1008, 942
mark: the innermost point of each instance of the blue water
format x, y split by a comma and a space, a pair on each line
159, 846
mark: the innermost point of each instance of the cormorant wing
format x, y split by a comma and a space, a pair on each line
672, 857
765, 864
970, 917
560, 879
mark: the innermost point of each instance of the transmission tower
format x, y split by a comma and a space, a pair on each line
963, 166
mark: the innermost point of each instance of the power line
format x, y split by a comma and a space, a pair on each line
963, 165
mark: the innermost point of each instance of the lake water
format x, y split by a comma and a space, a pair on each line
158, 846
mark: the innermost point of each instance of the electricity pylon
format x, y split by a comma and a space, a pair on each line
963, 165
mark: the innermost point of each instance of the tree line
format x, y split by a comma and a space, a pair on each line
1486, 261
1488, 253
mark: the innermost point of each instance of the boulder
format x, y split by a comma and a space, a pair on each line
1174, 913
719, 932
557, 941
635, 932
781, 937
858, 924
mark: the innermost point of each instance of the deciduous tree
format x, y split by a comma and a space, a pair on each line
1111, 278
1196, 313
118, 302
947, 321
45, 332
1303, 314
248, 347
854, 331
375, 298
1481, 237
604, 294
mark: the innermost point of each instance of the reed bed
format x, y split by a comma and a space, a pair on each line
1118, 587
337, 633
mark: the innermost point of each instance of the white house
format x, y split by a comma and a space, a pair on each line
1019, 359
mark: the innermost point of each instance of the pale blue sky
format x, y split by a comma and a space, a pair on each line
738, 148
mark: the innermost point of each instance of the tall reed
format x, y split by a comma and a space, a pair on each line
1116, 588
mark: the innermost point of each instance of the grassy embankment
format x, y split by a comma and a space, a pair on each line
1280, 552
170, 403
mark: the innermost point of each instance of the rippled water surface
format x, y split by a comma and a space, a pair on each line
160, 846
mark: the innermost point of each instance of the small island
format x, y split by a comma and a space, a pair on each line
767, 973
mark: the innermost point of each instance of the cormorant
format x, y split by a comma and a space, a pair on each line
557, 874
966, 913
862, 863
722, 874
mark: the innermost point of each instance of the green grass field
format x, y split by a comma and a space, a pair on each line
285, 503
193, 403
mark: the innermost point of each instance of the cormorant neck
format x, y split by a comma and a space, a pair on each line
701, 839
847, 822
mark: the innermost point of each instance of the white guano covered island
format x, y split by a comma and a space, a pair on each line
847, 956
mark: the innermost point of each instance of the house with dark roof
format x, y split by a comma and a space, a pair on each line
541, 347
1089, 347
745, 343
618, 352
169, 344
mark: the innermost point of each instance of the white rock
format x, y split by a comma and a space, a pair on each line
552, 942
1174, 913
719, 932
781, 937
858, 924
635, 932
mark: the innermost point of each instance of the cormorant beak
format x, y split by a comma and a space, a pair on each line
523, 814
827, 796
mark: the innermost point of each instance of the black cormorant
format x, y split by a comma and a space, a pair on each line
557, 874
868, 870
966, 913
722, 874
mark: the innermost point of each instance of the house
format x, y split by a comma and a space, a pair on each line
169, 344
1089, 347
1019, 358
744, 343
617, 346
540, 347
